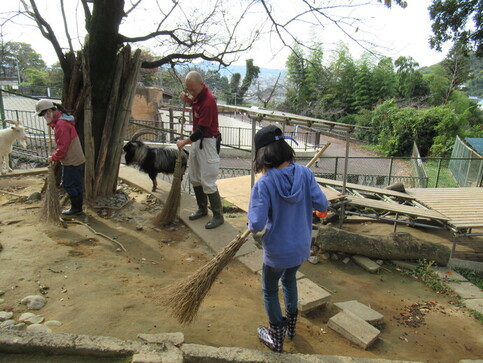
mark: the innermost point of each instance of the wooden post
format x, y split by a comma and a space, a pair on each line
344, 182
390, 171
437, 174
171, 125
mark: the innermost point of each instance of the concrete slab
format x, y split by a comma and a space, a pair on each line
253, 260
354, 329
466, 290
366, 263
216, 238
475, 304
466, 264
448, 274
311, 296
362, 311
408, 265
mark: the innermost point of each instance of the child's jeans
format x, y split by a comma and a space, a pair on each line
270, 278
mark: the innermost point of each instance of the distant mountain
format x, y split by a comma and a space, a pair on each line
230, 70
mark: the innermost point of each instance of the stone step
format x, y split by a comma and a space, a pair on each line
354, 329
311, 296
362, 311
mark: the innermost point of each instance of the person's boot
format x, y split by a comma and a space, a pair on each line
202, 201
291, 322
217, 208
272, 336
76, 206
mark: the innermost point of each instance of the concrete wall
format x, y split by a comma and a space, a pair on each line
146, 103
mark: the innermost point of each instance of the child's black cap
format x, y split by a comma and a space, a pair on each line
267, 135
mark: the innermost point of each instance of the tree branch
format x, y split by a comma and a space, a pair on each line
133, 7
87, 14
46, 31
65, 26
171, 34
180, 56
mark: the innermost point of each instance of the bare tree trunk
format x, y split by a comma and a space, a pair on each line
101, 173
395, 246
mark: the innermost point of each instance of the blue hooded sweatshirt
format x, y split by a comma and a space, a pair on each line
283, 200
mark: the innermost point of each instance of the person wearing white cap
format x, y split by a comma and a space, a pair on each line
68, 151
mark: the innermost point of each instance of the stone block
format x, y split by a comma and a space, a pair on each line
147, 358
366, 263
354, 329
311, 296
163, 338
362, 311
408, 265
102, 346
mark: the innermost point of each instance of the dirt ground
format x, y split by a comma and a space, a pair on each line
95, 288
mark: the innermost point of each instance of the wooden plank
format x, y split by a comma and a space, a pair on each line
364, 188
401, 209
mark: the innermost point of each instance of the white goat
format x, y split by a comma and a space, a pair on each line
7, 138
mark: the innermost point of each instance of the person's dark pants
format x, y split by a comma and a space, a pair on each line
73, 179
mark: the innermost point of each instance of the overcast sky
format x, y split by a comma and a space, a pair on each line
398, 32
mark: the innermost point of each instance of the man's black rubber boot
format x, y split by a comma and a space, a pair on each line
217, 208
76, 206
202, 201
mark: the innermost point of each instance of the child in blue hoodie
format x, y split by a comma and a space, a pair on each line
282, 202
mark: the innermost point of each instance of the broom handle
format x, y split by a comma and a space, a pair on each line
315, 158
180, 151
309, 164
50, 140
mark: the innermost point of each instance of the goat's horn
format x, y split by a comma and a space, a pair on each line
141, 132
12, 122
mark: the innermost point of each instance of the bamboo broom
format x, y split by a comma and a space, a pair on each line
50, 210
171, 207
184, 297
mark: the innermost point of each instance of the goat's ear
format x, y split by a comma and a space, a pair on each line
13, 127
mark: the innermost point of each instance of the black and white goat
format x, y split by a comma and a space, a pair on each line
7, 138
154, 160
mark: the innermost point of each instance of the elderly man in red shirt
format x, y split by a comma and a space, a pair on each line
204, 161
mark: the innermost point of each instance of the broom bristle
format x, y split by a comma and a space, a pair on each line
50, 211
171, 206
184, 297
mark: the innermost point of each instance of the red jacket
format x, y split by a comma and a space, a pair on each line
205, 112
68, 149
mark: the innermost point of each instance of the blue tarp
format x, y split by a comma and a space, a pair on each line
476, 143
